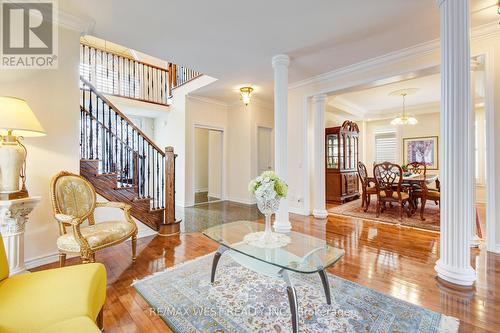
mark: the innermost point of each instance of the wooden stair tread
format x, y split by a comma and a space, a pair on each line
110, 174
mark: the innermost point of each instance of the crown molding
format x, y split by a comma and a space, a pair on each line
253, 101
478, 33
207, 100
84, 26
347, 106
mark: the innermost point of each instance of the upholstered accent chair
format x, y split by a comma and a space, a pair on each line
68, 299
389, 178
368, 186
73, 203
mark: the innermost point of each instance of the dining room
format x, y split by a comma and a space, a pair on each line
382, 152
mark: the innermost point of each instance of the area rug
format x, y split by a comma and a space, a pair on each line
243, 301
391, 215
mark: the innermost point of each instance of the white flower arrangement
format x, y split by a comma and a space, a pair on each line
268, 186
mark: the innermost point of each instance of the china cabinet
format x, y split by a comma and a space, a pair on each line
341, 144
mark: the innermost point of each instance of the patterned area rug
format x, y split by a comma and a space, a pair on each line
244, 301
391, 215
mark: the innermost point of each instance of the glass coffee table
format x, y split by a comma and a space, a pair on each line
303, 254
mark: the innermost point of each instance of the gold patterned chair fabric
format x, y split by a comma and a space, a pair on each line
368, 186
389, 178
73, 203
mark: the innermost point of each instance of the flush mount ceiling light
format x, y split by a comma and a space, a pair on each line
246, 92
403, 118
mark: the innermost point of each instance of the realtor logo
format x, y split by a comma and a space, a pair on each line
29, 35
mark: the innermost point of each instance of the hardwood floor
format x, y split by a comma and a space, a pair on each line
398, 261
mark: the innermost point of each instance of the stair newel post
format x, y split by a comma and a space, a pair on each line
170, 225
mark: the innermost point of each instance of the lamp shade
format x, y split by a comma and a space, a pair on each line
16, 116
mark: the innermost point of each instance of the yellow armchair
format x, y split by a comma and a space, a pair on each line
68, 299
74, 202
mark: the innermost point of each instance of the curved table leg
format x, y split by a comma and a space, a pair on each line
292, 299
217, 256
326, 286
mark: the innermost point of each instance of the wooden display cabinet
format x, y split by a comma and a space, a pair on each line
342, 153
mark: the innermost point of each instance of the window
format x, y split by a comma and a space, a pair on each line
385, 146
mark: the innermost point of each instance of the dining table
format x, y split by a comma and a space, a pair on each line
417, 180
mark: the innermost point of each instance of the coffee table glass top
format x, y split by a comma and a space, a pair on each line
304, 254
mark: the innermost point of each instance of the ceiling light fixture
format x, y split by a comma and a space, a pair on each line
246, 92
403, 118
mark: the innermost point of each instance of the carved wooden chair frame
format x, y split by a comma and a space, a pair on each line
365, 186
389, 178
87, 253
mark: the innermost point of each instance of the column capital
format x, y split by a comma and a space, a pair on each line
281, 60
319, 98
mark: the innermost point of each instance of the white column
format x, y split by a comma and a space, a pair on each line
475, 241
456, 175
319, 106
13, 217
280, 65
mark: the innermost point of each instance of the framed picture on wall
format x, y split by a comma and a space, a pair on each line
423, 149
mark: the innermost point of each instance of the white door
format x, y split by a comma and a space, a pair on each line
265, 152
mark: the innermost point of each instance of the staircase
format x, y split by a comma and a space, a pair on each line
124, 164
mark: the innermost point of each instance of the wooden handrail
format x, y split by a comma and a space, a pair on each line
91, 116
117, 111
124, 56
172, 78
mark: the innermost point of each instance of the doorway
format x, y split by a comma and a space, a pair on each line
265, 149
207, 165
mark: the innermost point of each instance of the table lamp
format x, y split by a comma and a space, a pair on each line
16, 121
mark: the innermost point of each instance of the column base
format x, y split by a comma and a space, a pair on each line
475, 241
282, 226
320, 213
461, 276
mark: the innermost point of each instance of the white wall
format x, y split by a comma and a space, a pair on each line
201, 160
428, 125
207, 114
407, 61
244, 121
171, 130
53, 95
215, 157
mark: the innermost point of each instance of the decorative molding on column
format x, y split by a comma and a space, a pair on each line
319, 102
13, 218
281, 60
457, 209
280, 64
320, 98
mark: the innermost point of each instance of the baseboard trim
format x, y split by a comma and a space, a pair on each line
495, 249
243, 201
299, 211
54, 257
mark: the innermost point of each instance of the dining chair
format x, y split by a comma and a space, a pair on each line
415, 168
389, 178
74, 202
368, 186
425, 193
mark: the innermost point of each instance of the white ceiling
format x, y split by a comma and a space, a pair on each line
234, 41
378, 103
373, 101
